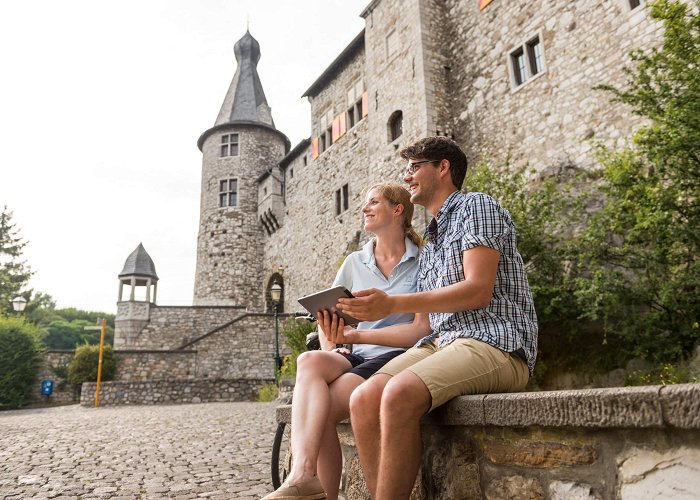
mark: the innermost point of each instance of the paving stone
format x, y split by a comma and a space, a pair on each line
213, 450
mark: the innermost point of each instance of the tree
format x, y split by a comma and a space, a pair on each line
83, 367
14, 272
20, 354
640, 251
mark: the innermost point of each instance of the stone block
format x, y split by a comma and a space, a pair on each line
514, 488
647, 473
465, 410
561, 490
538, 453
681, 405
611, 407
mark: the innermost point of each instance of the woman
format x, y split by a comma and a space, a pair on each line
326, 378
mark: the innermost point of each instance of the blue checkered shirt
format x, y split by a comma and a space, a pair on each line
509, 321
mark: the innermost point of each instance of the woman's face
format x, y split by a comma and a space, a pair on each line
377, 211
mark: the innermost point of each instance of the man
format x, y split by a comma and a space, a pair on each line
473, 283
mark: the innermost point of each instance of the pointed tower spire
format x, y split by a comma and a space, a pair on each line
245, 100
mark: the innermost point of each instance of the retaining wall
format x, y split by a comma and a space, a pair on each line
626, 443
152, 392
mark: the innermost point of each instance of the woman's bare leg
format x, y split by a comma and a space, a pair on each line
311, 404
330, 458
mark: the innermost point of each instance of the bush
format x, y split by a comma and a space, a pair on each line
83, 367
267, 393
295, 332
20, 355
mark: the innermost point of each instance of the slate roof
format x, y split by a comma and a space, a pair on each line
139, 263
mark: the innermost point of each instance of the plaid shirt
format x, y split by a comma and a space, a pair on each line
509, 322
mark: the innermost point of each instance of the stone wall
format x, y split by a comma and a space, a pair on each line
54, 366
626, 443
170, 327
548, 120
243, 349
150, 365
171, 391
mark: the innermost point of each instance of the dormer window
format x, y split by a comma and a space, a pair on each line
229, 145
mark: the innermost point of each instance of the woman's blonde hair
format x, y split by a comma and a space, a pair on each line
396, 194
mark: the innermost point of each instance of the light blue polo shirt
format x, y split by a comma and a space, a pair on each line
359, 271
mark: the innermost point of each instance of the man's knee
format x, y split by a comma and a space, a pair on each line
366, 398
405, 396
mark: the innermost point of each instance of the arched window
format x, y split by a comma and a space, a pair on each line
269, 305
395, 125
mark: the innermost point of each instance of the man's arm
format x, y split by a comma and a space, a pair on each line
474, 292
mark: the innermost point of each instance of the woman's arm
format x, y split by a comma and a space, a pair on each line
403, 335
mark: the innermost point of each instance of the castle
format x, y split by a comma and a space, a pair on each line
504, 79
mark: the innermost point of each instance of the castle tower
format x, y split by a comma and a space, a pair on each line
133, 313
242, 144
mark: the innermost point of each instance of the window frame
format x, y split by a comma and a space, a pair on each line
225, 192
526, 61
353, 113
396, 117
342, 199
227, 143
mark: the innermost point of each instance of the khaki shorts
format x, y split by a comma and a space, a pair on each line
466, 366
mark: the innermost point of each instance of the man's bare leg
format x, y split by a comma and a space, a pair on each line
365, 404
404, 401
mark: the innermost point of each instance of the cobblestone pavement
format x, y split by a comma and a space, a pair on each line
214, 450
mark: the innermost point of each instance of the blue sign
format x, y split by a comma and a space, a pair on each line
46, 387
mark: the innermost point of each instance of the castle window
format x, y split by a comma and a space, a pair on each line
354, 112
636, 3
229, 145
395, 125
342, 199
527, 61
325, 130
228, 193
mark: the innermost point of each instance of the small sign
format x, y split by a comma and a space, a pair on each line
46, 387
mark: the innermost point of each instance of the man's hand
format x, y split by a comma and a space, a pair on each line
368, 305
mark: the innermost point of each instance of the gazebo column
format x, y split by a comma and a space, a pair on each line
132, 297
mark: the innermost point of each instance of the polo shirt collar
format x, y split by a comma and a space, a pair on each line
367, 252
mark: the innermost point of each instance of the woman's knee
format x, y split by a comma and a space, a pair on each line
309, 362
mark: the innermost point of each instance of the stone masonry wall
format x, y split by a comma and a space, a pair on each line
171, 391
53, 367
314, 240
229, 250
171, 327
242, 350
548, 120
150, 365
626, 443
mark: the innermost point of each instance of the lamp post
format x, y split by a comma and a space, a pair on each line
276, 295
18, 304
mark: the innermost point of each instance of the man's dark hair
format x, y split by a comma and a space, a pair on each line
440, 148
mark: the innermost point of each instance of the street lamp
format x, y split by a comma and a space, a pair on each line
276, 295
19, 303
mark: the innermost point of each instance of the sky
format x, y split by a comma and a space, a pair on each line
101, 105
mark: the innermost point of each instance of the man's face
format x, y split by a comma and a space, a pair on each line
421, 175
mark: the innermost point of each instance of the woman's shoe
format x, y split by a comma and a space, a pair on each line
308, 490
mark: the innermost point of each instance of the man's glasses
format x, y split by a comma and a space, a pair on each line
412, 167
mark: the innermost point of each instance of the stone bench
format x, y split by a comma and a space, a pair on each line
629, 443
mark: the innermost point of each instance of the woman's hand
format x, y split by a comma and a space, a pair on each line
333, 327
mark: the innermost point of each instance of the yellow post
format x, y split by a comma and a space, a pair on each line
99, 363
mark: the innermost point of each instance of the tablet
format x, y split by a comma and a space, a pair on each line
327, 300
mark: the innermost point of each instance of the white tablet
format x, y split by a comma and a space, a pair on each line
327, 300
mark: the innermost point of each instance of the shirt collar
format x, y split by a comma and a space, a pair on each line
367, 252
438, 225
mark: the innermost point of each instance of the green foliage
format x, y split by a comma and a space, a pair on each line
268, 392
295, 331
20, 355
83, 367
640, 250
663, 374
14, 272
